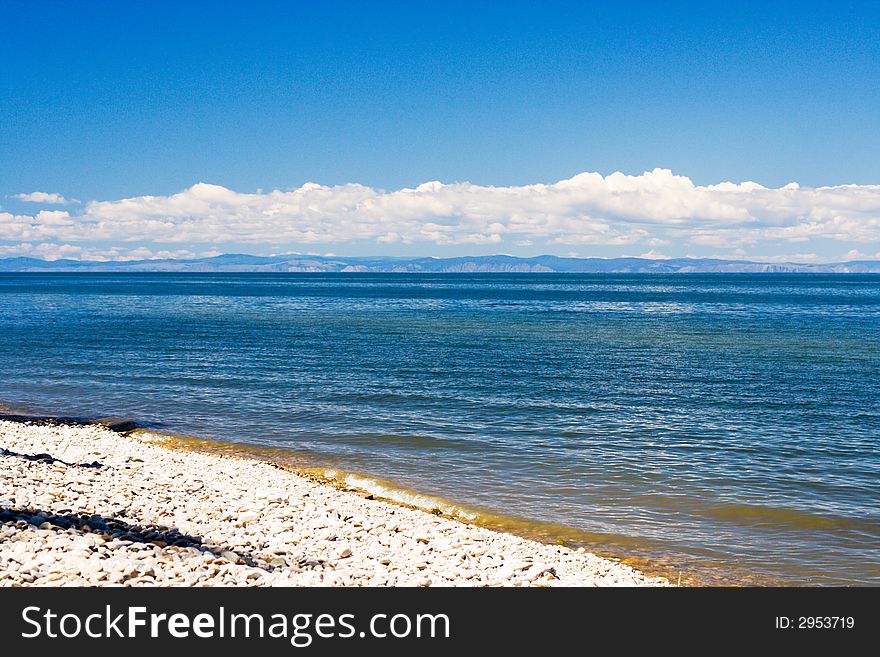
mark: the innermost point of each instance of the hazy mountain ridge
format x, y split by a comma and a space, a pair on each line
467, 264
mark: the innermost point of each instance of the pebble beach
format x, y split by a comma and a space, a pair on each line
83, 505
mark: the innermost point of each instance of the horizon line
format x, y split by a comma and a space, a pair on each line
334, 256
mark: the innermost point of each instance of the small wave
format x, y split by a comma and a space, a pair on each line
388, 491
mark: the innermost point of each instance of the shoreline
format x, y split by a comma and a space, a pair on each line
82, 504
614, 548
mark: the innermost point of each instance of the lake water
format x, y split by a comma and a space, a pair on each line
726, 426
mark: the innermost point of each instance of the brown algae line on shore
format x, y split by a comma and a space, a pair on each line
616, 548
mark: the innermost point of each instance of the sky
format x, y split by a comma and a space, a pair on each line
735, 130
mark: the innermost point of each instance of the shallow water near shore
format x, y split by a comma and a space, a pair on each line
727, 426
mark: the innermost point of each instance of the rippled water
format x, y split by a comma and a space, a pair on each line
724, 425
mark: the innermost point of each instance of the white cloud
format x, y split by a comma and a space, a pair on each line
44, 197
46, 251
54, 251
656, 208
855, 254
654, 255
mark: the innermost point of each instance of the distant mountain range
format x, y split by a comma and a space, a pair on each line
469, 264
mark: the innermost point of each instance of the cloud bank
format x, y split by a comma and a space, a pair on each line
633, 214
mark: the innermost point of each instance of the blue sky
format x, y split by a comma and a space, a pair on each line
109, 101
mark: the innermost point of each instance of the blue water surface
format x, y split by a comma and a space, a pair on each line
724, 424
